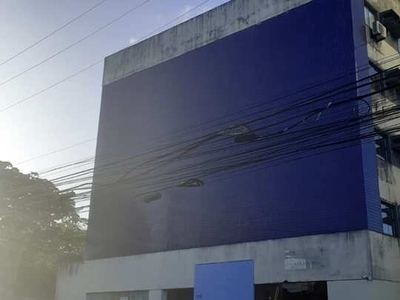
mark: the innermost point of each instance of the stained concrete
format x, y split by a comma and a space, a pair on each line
385, 255
363, 289
341, 256
216, 24
383, 5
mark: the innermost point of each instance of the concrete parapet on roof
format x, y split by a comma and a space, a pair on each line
227, 19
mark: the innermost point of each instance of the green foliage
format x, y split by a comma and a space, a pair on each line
41, 223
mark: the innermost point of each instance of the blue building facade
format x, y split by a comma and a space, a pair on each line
286, 79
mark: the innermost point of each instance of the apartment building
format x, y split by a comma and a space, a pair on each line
250, 153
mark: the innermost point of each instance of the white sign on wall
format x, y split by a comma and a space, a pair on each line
305, 259
295, 263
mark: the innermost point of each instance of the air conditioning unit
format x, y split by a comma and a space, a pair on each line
379, 32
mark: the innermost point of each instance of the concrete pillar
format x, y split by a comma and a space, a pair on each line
157, 295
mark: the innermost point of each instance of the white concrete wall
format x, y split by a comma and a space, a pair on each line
341, 256
383, 53
382, 5
363, 290
218, 23
389, 182
385, 254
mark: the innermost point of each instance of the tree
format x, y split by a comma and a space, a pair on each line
41, 224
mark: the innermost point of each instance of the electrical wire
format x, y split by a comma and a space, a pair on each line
55, 151
56, 179
238, 164
169, 173
297, 100
384, 60
49, 87
53, 32
75, 43
344, 101
68, 77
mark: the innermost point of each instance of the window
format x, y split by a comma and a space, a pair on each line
388, 213
382, 146
370, 16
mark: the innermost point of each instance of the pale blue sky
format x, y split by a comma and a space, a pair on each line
67, 114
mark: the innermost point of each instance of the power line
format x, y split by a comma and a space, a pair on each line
89, 171
75, 74
282, 150
55, 151
171, 182
72, 164
339, 125
50, 87
342, 143
97, 63
76, 43
53, 32
341, 103
86, 68
213, 120
396, 107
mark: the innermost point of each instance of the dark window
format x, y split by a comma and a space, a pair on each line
388, 213
180, 294
382, 146
292, 291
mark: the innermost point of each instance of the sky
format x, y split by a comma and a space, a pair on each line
66, 114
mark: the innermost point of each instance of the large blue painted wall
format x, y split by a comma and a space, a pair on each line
319, 194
